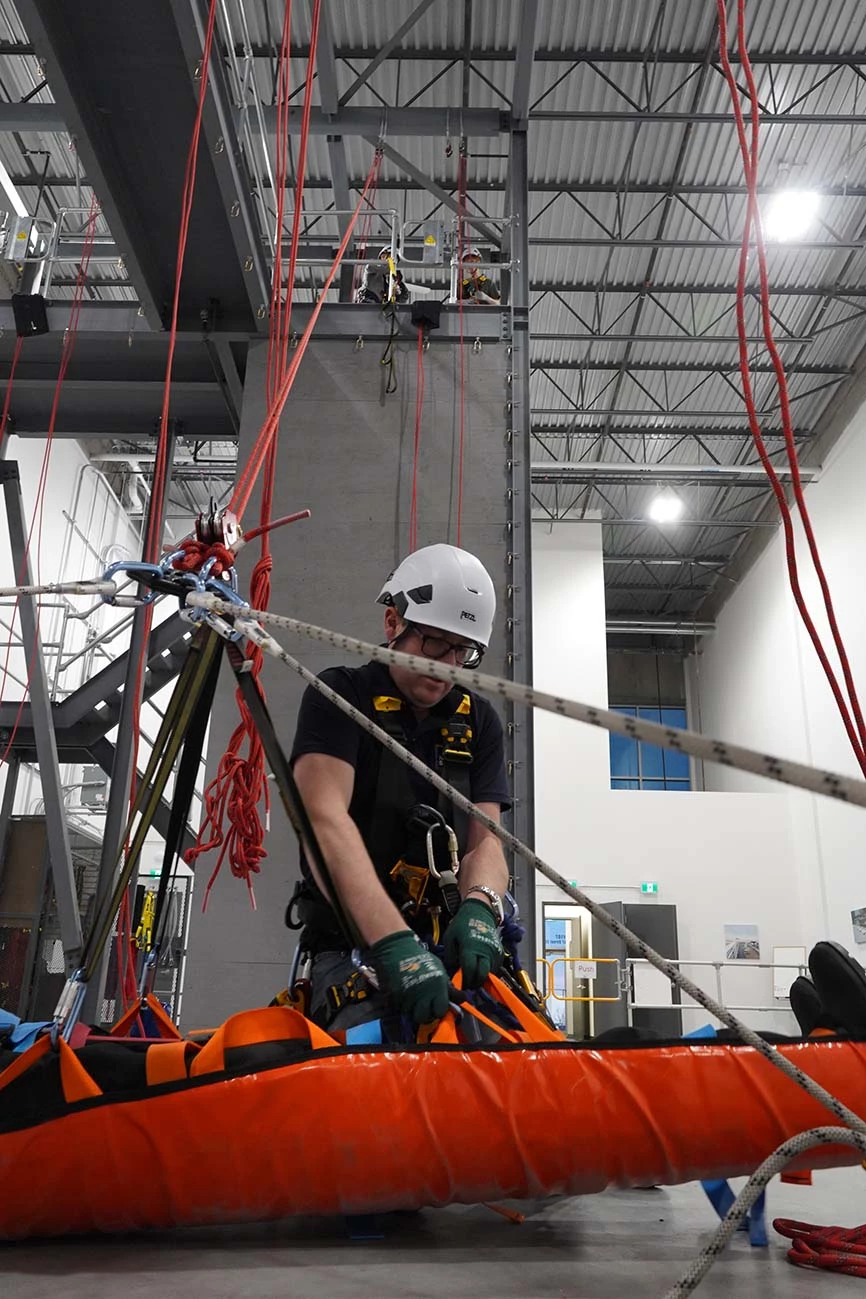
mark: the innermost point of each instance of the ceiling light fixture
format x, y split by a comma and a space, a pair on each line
790, 213
665, 508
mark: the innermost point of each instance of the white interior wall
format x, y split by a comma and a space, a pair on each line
83, 529
720, 857
760, 683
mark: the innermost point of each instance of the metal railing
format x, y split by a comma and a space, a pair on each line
718, 968
585, 971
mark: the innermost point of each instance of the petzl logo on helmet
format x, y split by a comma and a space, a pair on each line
470, 617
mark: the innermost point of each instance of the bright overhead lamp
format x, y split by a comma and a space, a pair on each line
790, 213
665, 508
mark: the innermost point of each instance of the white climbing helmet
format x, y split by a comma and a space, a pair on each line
443, 587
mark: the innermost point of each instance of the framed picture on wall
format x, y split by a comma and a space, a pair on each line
742, 943
858, 922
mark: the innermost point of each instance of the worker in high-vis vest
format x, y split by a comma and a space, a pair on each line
391, 842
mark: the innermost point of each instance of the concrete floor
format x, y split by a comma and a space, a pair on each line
622, 1245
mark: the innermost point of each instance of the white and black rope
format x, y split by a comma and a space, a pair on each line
761, 1177
832, 784
272, 647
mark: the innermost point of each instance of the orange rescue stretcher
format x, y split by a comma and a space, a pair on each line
271, 1117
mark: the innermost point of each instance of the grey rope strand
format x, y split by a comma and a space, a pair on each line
832, 784
814, 1089
749, 1194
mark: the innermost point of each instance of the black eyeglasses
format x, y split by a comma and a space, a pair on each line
437, 647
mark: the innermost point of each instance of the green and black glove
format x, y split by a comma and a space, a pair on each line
412, 977
472, 943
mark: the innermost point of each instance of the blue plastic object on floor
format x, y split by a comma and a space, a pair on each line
719, 1193
721, 1197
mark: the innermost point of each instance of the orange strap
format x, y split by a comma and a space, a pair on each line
25, 1060
76, 1082
446, 1030
268, 1024
166, 1062
126, 1020
533, 1025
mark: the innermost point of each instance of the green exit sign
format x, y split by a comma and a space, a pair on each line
649, 886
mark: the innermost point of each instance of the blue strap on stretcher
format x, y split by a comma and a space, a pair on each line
719, 1192
23, 1035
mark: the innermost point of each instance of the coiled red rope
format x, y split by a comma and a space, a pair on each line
827, 1249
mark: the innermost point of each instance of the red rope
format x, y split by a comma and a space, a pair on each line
246, 482
8, 398
230, 795
856, 736
419, 407
829, 1249
461, 212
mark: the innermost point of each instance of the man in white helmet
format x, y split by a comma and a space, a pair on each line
475, 286
374, 286
376, 820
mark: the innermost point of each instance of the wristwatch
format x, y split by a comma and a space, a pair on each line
493, 897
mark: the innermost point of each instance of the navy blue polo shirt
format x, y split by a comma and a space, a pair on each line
322, 728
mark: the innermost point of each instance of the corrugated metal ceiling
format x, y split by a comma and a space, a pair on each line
653, 414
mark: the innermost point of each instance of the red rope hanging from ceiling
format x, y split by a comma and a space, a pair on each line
854, 727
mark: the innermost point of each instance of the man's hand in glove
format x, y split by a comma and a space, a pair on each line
472, 943
412, 977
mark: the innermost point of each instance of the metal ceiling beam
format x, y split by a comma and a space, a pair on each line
561, 471
523, 59
650, 434
631, 288
374, 122
689, 367
442, 195
75, 113
711, 245
391, 44
647, 412
647, 117
668, 561
223, 143
35, 117
648, 627
576, 184
505, 54
665, 339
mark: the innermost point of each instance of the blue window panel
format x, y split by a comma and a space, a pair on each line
554, 934
677, 766
650, 714
625, 784
623, 756
674, 717
652, 763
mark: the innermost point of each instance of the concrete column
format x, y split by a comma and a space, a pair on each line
345, 452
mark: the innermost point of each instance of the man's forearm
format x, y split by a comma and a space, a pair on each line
355, 879
485, 864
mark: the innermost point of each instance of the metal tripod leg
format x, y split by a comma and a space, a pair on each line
60, 853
